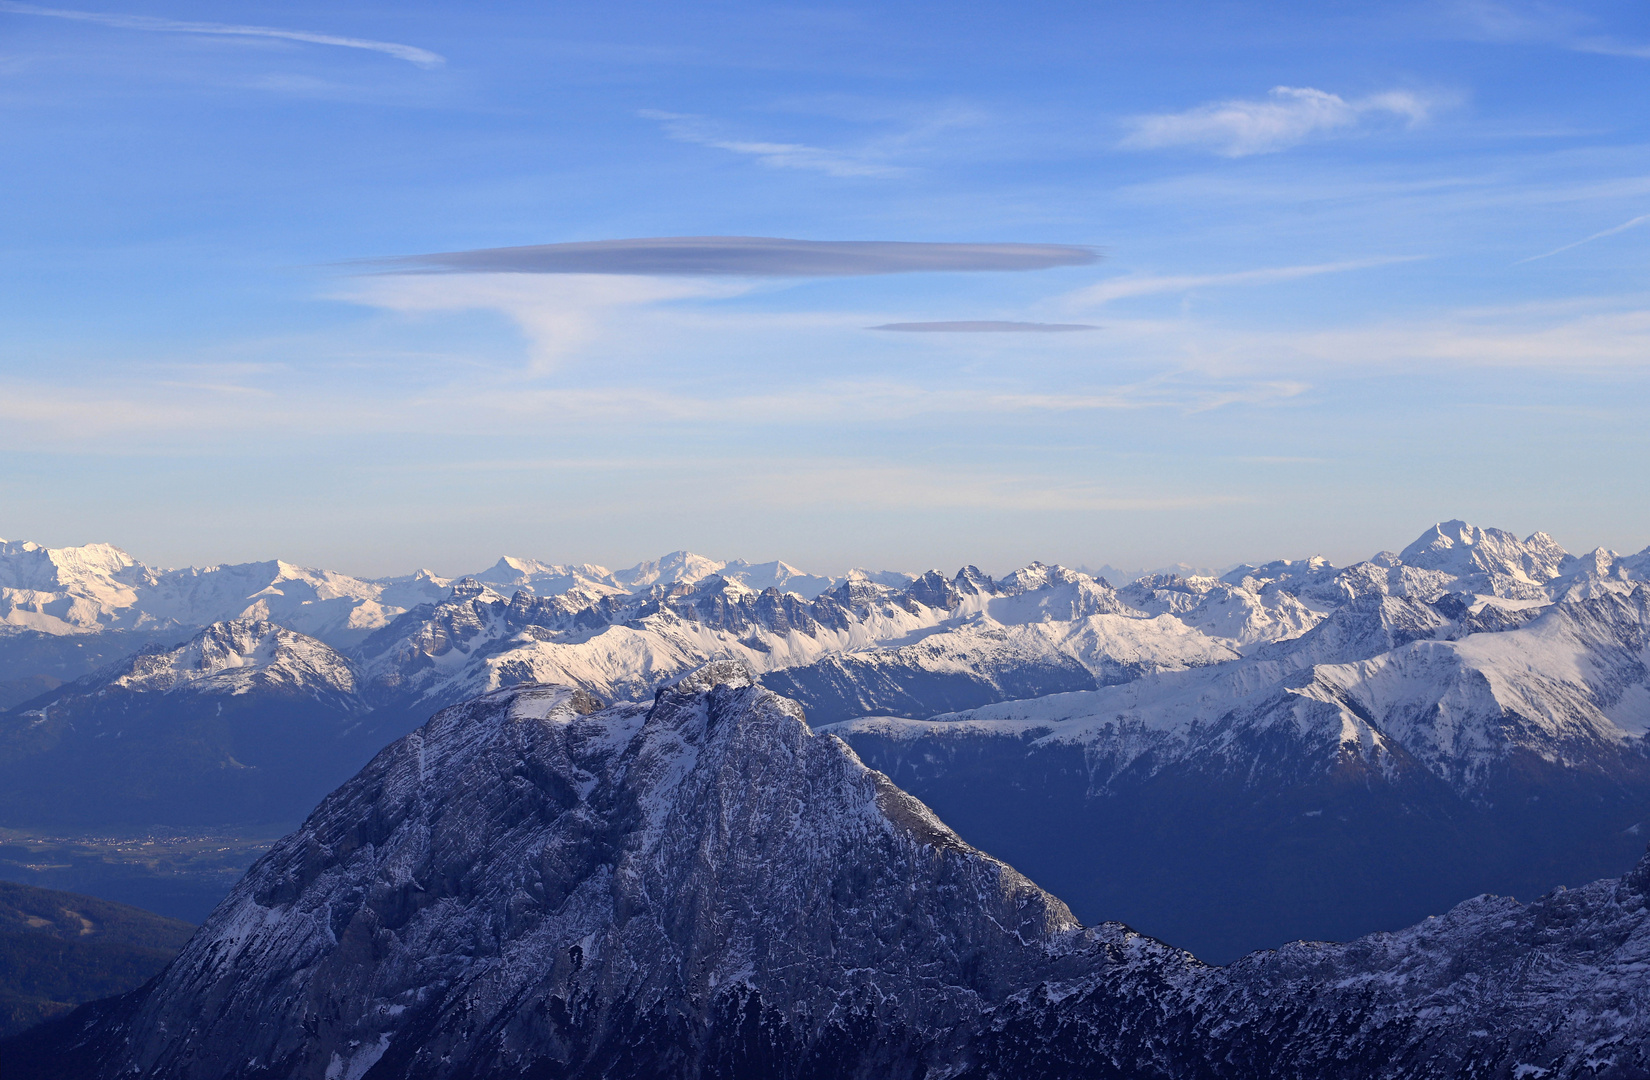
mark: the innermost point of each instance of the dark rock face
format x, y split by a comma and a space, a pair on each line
530, 885
637, 890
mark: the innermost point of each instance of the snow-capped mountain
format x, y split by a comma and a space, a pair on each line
245, 723
587, 620
95, 587
704, 887
98, 587
1441, 720
65, 590
967, 639
1436, 748
241, 657
1569, 688
547, 579
678, 568
1454, 556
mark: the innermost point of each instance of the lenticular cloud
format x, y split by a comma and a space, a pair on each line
742, 256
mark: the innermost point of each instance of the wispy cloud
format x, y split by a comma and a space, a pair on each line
1623, 227
1530, 337
883, 486
813, 482
1488, 19
859, 400
779, 155
983, 327
410, 53
35, 415
558, 316
1147, 285
1287, 117
741, 256
1546, 24
1611, 47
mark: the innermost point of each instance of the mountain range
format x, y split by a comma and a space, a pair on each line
1287, 750
533, 884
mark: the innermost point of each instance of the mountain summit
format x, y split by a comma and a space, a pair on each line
534, 885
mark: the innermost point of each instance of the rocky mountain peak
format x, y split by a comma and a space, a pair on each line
933, 590
524, 884
234, 657
1461, 549
705, 887
970, 581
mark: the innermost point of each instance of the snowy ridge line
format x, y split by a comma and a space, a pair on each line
239, 657
1569, 687
97, 586
866, 644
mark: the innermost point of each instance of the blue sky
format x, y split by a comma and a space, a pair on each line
1363, 267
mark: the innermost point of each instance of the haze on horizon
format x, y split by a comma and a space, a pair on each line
1349, 270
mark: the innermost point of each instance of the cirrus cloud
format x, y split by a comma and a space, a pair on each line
1288, 116
410, 53
779, 155
1153, 284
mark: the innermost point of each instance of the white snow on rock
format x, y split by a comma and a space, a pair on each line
1571, 687
236, 658
98, 586
621, 633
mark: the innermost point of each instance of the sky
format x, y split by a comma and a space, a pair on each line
895, 285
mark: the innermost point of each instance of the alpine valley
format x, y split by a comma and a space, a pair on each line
1227, 762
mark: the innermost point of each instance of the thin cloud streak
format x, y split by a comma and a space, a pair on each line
692, 129
1623, 227
881, 486
410, 53
1609, 341
1608, 47
1547, 25
740, 256
40, 416
1288, 117
847, 482
1146, 285
983, 327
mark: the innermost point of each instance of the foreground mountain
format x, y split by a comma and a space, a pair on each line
59, 949
247, 722
533, 885
1394, 760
